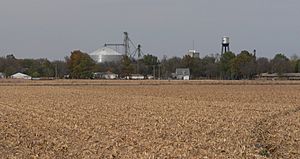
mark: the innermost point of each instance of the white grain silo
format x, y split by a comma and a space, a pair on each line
106, 54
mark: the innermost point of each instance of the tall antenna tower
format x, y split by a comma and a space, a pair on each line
193, 44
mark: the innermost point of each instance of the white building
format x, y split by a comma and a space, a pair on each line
193, 54
183, 74
186, 77
111, 76
150, 77
105, 75
137, 77
2, 75
21, 76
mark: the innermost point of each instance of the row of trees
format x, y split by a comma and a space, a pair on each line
79, 65
33, 67
244, 65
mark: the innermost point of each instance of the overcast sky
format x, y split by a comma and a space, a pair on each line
53, 28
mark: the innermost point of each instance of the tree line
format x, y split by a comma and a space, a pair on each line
228, 66
10, 65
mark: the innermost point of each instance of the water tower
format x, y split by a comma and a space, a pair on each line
225, 45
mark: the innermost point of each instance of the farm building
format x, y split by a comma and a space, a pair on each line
20, 76
106, 55
105, 75
150, 77
182, 74
137, 77
275, 76
2, 75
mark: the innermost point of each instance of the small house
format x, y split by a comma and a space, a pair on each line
182, 74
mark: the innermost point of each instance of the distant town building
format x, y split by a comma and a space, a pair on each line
21, 76
193, 54
2, 75
105, 75
150, 77
182, 74
137, 77
276, 76
66, 76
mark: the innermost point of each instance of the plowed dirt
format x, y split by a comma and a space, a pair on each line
149, 121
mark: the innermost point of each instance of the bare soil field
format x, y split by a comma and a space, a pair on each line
149, 119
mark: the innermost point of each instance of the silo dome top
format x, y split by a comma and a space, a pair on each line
105, 51
106, 55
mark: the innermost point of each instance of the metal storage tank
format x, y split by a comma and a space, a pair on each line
225, 40
106, 54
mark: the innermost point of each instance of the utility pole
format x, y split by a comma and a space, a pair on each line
137, 67
154, 71
56, 72
159, 71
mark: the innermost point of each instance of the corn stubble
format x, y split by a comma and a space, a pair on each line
150, 121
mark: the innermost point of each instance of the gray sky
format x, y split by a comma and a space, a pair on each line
53, 28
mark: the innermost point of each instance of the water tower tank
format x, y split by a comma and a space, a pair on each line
225, 44
225, 40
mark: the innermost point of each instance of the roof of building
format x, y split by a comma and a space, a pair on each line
183, 71
19, 74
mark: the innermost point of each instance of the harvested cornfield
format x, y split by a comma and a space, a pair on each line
73, 119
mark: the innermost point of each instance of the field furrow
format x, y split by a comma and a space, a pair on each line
149, 121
